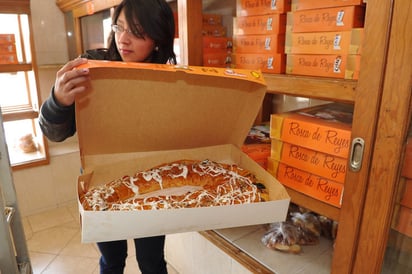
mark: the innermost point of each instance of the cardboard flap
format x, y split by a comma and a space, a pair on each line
145, 107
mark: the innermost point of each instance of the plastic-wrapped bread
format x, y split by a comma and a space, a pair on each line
282, 236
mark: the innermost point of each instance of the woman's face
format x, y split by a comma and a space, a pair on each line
131, 47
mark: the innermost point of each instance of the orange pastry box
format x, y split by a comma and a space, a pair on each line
257, 144
217, 43
7, 38
220, 59
259, 43
325, 128
214, 30
258, 152
259, 7
317, 187
212, 19
171, 113
324, 65
325, 165
260, 24
329, 19
267, 63
8, 58
310, 4
7, 48
339, 42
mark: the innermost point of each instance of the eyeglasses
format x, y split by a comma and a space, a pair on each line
120, 29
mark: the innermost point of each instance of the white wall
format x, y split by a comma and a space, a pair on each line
49, 32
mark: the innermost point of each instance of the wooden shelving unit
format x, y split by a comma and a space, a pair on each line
365, 94
325, 89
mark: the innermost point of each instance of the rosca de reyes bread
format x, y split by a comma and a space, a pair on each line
199, 184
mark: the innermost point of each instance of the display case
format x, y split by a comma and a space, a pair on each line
381, 112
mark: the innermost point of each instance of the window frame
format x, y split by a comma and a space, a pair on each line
29, 111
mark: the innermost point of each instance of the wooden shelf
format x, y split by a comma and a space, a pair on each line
234, 252
244, 244
314, 87
15, 67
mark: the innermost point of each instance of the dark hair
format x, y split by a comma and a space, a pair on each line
156, 19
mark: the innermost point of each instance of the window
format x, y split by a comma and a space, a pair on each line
19, 100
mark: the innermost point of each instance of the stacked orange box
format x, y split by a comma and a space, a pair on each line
329, 166
258, 144
309, 150
310, 4
7, 48
324, 38
7, 38
317, 187
260, 24
217, 47
259, 7
267, 63
8, 54
332, 42
324, 65
217, 51
259, 35
259, 43
326, 128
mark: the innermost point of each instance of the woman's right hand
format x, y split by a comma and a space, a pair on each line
71, 81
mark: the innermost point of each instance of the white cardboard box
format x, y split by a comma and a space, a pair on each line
137, 116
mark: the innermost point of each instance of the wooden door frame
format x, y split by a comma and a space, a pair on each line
368, 94
390, 141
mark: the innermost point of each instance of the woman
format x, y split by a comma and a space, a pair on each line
142, 31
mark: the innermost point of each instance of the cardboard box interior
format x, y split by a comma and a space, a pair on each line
138, 116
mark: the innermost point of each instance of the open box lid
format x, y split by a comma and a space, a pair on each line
135, 107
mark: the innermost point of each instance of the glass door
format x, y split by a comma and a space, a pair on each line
398, 255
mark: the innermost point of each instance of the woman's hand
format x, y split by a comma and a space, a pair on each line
71, 81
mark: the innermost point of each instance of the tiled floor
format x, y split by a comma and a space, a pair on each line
53, 240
